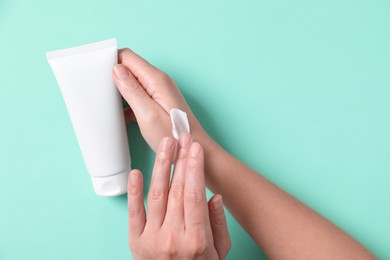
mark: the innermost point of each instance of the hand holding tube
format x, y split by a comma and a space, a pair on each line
151, 95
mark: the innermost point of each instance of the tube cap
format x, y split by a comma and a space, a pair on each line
111, 186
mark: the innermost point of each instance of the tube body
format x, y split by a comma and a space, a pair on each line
95, 108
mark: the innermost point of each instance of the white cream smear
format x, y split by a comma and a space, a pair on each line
180, 122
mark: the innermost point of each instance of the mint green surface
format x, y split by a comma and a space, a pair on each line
299, 90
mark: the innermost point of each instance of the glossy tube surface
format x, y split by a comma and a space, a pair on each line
95, 108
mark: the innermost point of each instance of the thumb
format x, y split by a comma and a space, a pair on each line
219, 227
152, 119
132, 91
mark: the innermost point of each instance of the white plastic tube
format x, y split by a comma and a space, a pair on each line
95, 108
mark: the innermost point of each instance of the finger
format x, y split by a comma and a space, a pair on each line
175, 207
158, 189
131, 90
136, 208
142, 70
129, 115
195, 204
155, 82
149, 114
219, 226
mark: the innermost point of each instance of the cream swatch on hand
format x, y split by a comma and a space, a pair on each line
180, 122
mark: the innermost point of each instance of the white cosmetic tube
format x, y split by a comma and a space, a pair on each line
95, 108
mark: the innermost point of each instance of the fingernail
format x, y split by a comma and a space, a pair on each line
184, 140
134, 177
166, 144
218, 204
195, 149
120, 72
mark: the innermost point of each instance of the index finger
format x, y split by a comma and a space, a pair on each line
158, 189
141, 69
196, 213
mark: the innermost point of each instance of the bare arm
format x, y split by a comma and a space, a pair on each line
281, 225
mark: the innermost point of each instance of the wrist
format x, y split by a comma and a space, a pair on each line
209, 145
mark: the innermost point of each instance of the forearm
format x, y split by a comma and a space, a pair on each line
281, 225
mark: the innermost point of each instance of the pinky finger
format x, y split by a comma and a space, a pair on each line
219, 227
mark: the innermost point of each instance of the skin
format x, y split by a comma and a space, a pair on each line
280, 224
180, 224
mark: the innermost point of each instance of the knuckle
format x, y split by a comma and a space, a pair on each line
195, 196
157, 194
181, 155
163, 77
163, 158
176, 190
198, 246
151, 117
131, 88
135, 212
169, 247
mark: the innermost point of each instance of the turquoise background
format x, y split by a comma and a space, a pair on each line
298, 90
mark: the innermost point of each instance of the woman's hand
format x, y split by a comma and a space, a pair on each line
151, 95
179, 224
